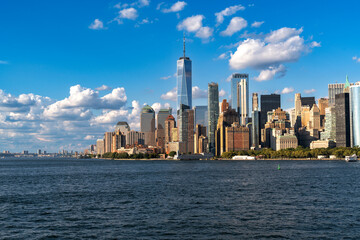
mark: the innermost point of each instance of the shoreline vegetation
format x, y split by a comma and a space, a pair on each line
299, 153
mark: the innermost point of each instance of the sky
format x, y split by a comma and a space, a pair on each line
70, 70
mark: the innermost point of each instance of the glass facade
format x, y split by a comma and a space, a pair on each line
255, 131
201, 115
184, 82
147, 124
213, 113
240, 93
355, 114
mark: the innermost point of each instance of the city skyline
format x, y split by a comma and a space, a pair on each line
37, 111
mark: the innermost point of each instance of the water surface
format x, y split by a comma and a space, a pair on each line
68, 198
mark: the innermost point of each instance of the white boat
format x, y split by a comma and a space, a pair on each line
352, 158
238, 157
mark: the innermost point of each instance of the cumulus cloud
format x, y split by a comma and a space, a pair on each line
97, 25
236, 24
198, 93
170, 95
194, 24
356, 59
315, 44
126, 13
287, 90
222, 93
257, 24
157, 106
227, 12
176, 7
271, 72
103, 88
308, 91
268, 54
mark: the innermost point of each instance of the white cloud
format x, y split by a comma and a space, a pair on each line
356, 59
198, 93
257, 24
271, 72
194, 24
227, 12
287, 90
89, 137
236, 24
191, 24
176, 7
128, 13
170, 95
143, 3
268, 54
225, 55
315, 44
103, 88
204, 32
308, 91
97, 25
157, 106
282, 34
222, 93
166, 77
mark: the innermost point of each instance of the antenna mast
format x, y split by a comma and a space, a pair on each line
184, 45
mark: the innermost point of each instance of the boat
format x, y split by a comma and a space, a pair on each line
238, 157
352, 158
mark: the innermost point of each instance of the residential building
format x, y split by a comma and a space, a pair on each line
201, 115
160, 130
226, 119
237, 138
108, 141
134, 138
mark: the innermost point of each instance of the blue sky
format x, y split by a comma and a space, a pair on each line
131, 47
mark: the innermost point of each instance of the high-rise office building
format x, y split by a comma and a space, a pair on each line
256, 131
330, 124
200, 134
169, 125
118, 141
100, 146
201, 115
355, 114
213, 114
267, 104
334, 88
224, 106
108, 141
244, 99
255, 101
123, 127
342, 110
147, 125
186, 129
240, 95
184, 81
308, 101
134, 138
160, 130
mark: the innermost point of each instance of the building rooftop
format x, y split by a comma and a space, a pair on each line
147, 109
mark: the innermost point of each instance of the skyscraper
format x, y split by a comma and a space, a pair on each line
240, 95
123, 127
342, 110
244, 99
184, 81
255, 133
268, 103
334, 88
160, 130
213, 113
147, 124
355, 114
255, 101
201, 115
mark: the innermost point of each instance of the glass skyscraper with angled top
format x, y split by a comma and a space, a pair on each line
184, 81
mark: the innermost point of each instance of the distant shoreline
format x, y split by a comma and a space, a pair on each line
227, 159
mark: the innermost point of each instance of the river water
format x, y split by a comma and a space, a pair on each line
69, 198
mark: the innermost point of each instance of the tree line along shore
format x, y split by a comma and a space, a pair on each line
298, 153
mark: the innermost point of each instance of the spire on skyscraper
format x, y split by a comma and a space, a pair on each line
184, 45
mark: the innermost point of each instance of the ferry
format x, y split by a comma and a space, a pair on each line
352, 158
